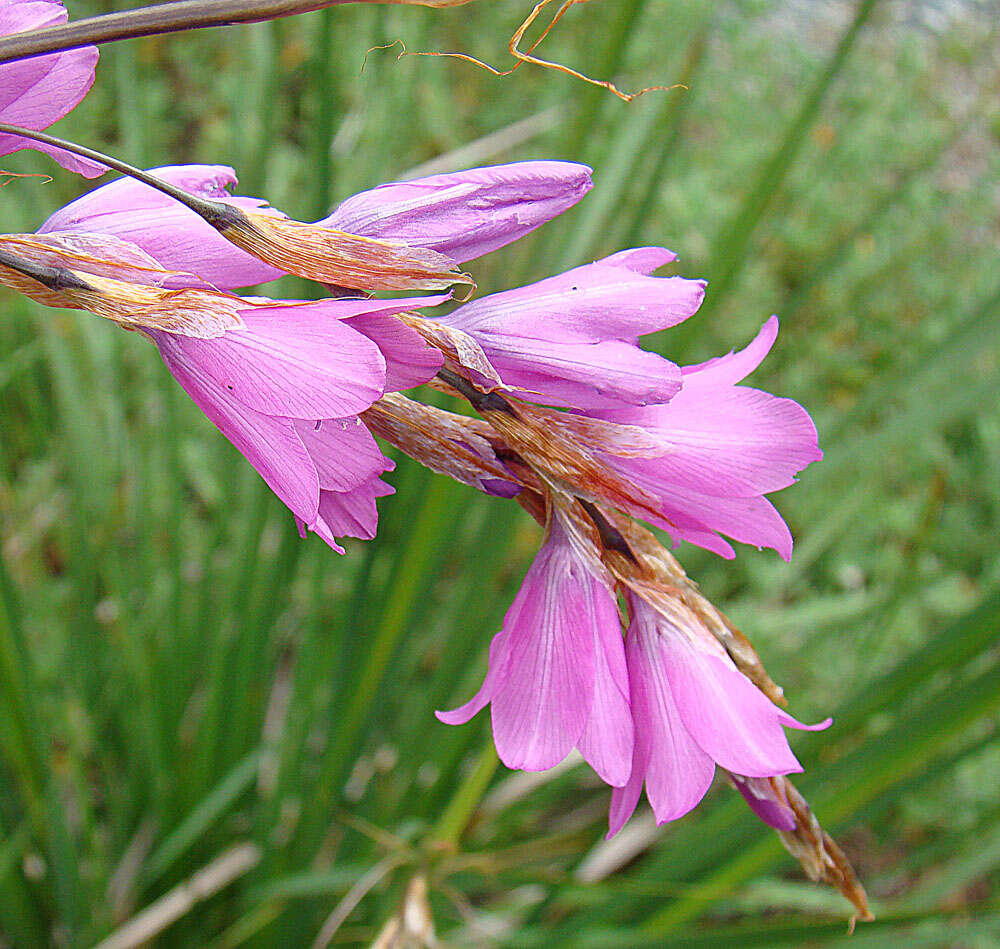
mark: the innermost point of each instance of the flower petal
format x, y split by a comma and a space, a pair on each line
764, 802
495, 678
588, 376
599, 301
292, 361
36, 92
409, 360
679, 772
735, 366
730, 440
173, 234
607, 741
466, 214
343, 451
725, 713
270, 444
542, 710
353, 513
689, 515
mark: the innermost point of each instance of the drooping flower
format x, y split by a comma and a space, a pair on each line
687, 449
557, 677
286, 390
692, 709
723, 446
36, 92
284, 381
457, 217
572, 340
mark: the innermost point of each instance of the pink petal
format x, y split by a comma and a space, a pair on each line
764, 803
736, 366
36, 92
642, 260
679, 772
343, 451
466, 214
689, 515
270, 444
290, 361
171, 233
542, 710
592, 303
322, 530
607, 741
586, 376
353, 513
731, 440
409, 361
495, 678
625, 799
725, 713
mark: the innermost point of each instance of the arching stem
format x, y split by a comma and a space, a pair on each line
216, 213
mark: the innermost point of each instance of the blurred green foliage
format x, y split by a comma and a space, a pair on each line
180, 674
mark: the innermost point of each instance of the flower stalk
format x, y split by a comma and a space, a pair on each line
162, 18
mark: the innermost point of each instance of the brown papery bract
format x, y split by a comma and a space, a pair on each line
448, 443
341, 259
203, 314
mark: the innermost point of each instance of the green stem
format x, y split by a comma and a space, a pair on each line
463, 804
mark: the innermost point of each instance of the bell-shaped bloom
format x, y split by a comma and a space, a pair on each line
36, 92
457, 217
724, 446
557, 677
572, 340
286, 389
692, 709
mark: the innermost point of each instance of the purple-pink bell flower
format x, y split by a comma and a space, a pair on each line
286, 389
573, 340
724, 447
462, 215
38, 91
692, 709
557, 677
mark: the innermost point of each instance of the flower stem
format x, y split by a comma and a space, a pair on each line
461, 807
149, 21
216, 213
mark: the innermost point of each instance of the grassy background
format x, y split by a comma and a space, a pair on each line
180, 675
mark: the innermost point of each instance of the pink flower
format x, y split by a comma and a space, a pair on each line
36, 92
286, 389
557, 677
704, 449
724, 446
460, 216
692, 709
572, 340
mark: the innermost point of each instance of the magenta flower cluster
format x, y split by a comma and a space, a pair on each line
660, 707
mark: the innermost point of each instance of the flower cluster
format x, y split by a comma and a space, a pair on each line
589, 431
